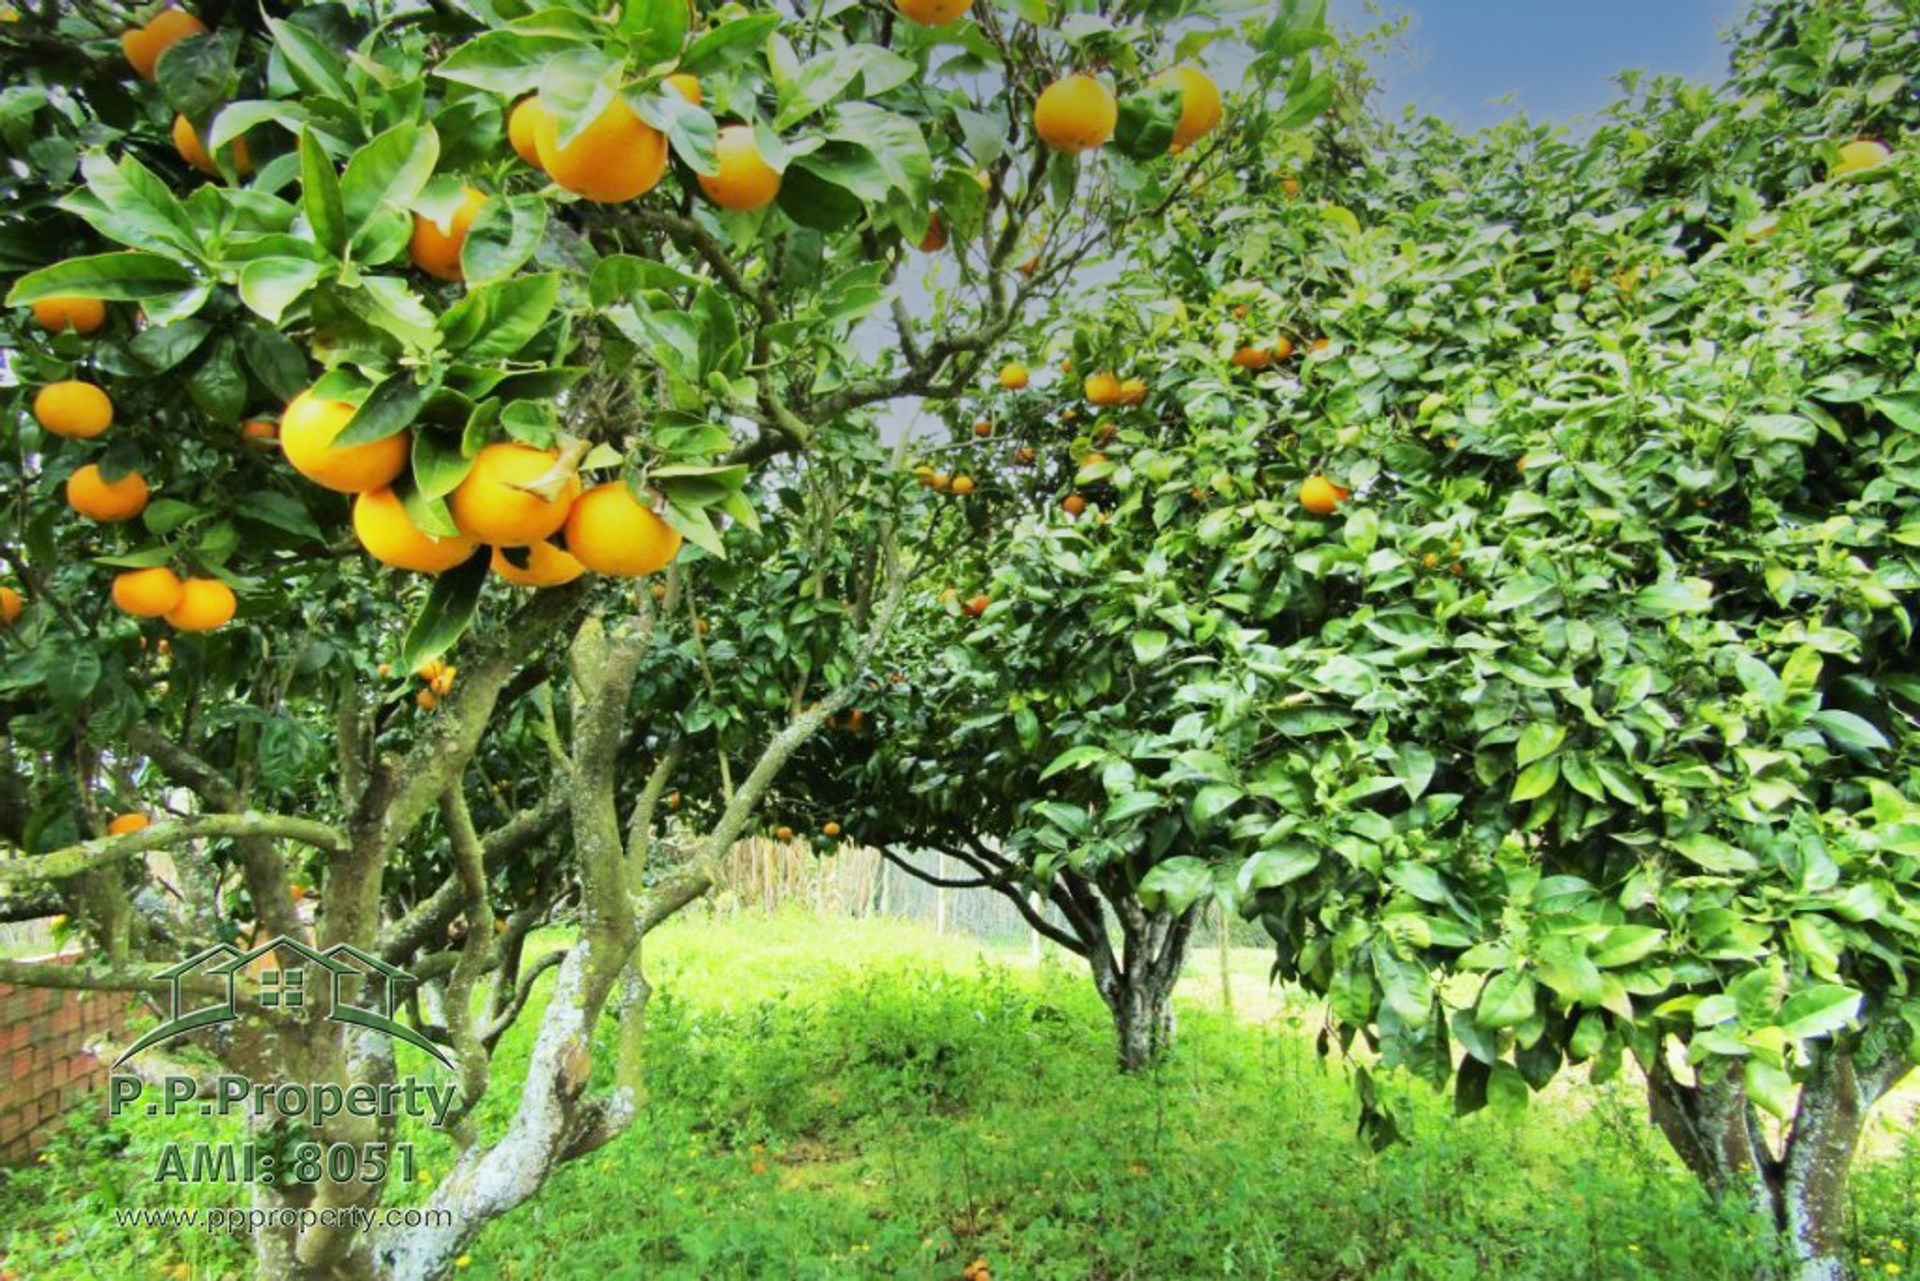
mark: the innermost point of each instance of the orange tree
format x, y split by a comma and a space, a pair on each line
1533, 517
368, 362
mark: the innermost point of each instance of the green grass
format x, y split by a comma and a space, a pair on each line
831, 1099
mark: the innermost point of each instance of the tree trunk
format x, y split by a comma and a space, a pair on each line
1143, 1023
1801, 1190
1138, 987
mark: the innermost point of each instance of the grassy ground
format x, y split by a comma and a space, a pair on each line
835, 1099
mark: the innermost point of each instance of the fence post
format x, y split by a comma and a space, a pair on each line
1038, 905
1226, 954
940, 901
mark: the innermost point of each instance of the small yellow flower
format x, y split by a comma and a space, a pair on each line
1897, 1244
1893, 1269
464, 1261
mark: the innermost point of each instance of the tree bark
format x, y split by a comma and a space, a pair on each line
1802, 1188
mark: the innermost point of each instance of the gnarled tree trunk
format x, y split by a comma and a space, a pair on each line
1800, 1188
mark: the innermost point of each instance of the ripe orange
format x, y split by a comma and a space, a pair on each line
685, 85
307, 431
830, 828
978, 605
443, 683
10, 606
1199, 103
186, 140
745, 180
259, 431
547, 566
1252, 358
1074, 505
611, 532
523, 124
144, 45
1024, 455
430, 670
1013, 376
1290, 186
147, 593
93, 496
783, 833
205, 603
490, 505
82, 315
936, 238
124, 823
617, 157
388, 534
1133, 391
1321, 345
73, 408
1103, 388
963, 485
437, 252
983, 429
427, 700
1075, 113
933, 13
1321, 496
1282, 347
941, 480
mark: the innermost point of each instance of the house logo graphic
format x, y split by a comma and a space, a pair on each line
285, 987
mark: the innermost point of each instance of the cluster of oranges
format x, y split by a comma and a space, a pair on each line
617, 156
438, 676
143, 46
514, 499
80, 410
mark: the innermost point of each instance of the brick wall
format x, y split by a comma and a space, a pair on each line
44, 1065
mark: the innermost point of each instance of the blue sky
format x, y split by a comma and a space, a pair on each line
1554, 56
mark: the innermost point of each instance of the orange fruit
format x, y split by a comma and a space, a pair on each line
92, 495
431, 669
10, 606
1024, 455
260, 432
1013, 376
936, 238
983, 429
443, 683
1199, 103
1133, 391
933, 13
977, 605
830, 828
522, 124
1321, 496
82, 315
1290, 186
963, 485
1282, 348
144, 45
1075, 113
205, 603
1030, 266
1074, 505
547, 566
427, 700
1252, 358
124, 823
685, 85
1103, 388
73, 408
307, 431
1322, 344
388, 534
783, 833
745, 181
437, 252
186, 140
491, 507
611, 532
1861, 155
617, 157
147, 593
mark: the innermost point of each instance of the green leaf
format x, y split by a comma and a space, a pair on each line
1714, 854
1073, 758
1769, 1086
388, 171
320, 196
1850, 731
390, 408
655, 29
132, 276
1213, 800
1819, 1010
447, 613
1149, 645
271, 285
1147, 118
71, 675
1665, 600
1507, 1000
734, 40
1131, 806
502, 237
217, 384
161, 347
1536, 780
274, 360
1538, 740
1176, 884
316, 68
1270, 869
504, 62
498, 319
195, 75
